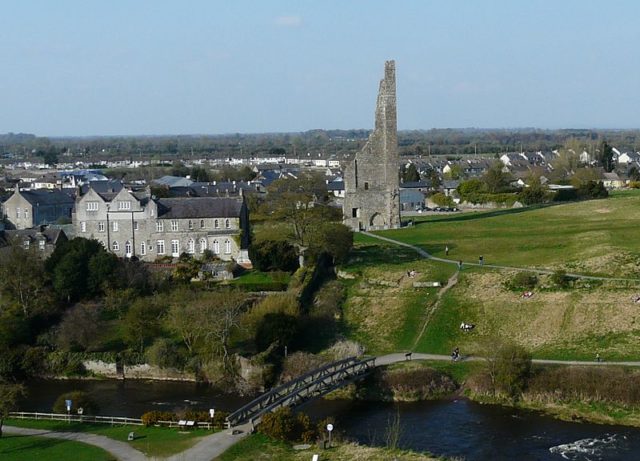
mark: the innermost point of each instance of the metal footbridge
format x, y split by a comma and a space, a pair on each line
309, 386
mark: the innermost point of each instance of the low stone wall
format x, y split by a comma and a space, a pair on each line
142, 371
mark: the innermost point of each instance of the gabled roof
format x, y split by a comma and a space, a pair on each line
33, 235
47, 197
199, 207
106, 189
415, 184
173, 181
450, 183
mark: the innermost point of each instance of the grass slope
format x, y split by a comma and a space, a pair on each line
599, 237
29, 448
384, 311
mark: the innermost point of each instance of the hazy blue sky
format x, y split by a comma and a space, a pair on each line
176, 67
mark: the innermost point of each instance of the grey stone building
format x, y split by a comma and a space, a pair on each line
42, 240
29, 208
372, 198
136, 224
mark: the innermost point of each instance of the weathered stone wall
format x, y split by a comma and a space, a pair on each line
372, 179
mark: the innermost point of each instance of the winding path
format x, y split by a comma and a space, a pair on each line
121, 450
426, 255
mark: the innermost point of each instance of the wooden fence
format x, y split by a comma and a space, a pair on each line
113, 420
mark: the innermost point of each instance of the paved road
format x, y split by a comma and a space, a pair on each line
205, 449
426, 255
400, 357
212, 446
120, 450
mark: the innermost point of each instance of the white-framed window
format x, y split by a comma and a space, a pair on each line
135, 225
42, 244
202, 224
143, 248
227, 246
124, 205
160, 247
227, 223
18, 212
114, 226
26, 214
92, 206
26, 244
216, 247
115, 246
203, 245
190, 225
83, 226
216, 224
100, 226
175, 247
191, 246
174, 226
159, 226
127, 248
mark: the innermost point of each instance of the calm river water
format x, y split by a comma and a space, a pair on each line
449, 428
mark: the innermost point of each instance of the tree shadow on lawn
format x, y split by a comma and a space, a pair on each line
375, 255
38, 442
470, 216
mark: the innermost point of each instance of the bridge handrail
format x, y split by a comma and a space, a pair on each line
296, 386
363, 363
286, 386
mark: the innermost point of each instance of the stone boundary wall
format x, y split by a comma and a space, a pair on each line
142, 371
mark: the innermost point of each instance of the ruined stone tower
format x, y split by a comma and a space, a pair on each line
372, 197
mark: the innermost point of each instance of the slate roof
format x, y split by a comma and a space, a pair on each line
199, 207
106, 189
411, 196
415, 184
47, 197
173, 181
50, 235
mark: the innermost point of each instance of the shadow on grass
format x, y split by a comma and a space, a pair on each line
471, 216
36, 443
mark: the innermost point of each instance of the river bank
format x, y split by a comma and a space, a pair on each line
424, 381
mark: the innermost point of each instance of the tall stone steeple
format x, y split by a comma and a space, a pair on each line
372, 197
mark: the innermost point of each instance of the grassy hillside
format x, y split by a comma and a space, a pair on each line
596, 237
386, 313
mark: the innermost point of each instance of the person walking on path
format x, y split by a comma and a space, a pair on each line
446, 250
481, 260
460, 265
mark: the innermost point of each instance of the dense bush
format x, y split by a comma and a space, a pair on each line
79, 399
270, 255
277, 327
151, 418
408, 385
561, 279
284, 425
609, 384
164, 354
522, 281
508, 367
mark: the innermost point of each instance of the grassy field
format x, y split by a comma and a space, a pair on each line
258, 447
152, 441
384, 311
594, 237
28, 448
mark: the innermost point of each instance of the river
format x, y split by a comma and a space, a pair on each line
459, 428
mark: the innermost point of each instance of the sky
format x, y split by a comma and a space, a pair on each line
136, 67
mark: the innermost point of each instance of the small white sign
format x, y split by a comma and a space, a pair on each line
315, 458
212, 412
329, 427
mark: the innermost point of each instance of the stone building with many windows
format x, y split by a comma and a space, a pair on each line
137, 224
26, 209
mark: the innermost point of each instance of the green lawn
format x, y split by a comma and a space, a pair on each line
29, 448
153, 441
597, 236
258, 447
